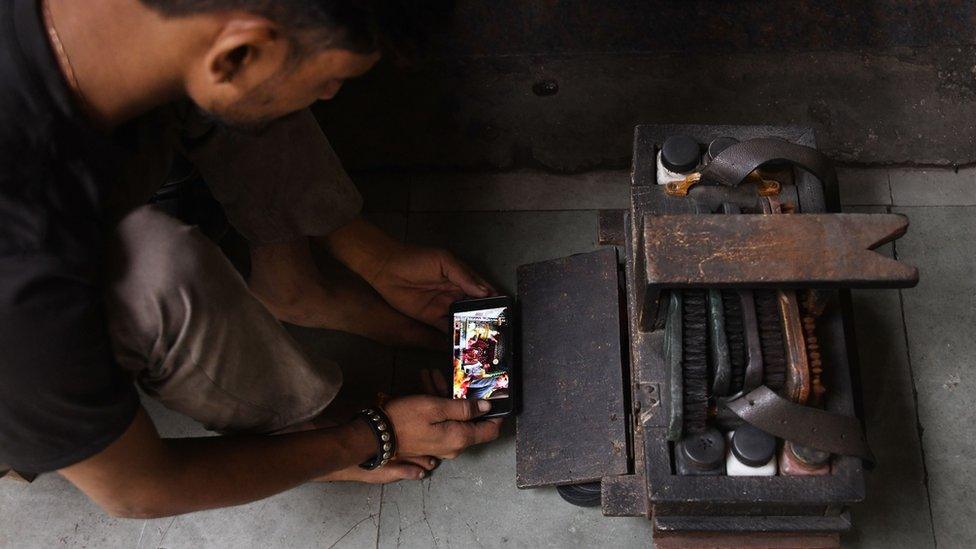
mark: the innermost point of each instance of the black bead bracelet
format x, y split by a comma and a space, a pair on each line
382, 429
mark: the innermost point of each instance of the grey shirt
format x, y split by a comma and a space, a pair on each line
277, 184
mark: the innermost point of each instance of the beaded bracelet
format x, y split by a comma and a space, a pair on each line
382, 429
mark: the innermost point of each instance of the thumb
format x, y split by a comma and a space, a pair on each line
463, 277
463, 410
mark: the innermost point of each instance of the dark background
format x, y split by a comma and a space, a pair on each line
559, 85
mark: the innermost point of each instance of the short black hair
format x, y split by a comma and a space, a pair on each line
354, 25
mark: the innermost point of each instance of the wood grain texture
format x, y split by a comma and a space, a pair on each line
801, 250
572, 427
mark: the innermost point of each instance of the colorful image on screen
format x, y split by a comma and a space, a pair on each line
481, 369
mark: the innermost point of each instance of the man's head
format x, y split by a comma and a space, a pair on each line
262, 59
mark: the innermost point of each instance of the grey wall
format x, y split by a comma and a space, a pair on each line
882, 82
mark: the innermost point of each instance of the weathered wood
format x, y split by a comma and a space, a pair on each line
765, 251
611, 227
572, 427
624, 496
713, 540
721, 503
666, 525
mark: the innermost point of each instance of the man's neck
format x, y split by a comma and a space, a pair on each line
126, 59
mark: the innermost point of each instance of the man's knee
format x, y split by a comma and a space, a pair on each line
153, 252
182, 316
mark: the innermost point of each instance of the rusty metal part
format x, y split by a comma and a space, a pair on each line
768, 187
681, 188
812, 308
797, 386
764, 186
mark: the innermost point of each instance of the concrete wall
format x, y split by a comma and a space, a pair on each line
560, 85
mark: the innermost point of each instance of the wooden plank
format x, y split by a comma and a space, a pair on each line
822, 524
624, 496
611, 227
572, 426
801, 250
716, 540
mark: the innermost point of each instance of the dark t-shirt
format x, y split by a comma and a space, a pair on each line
62, 397
62, 188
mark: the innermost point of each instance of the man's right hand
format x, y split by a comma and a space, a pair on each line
439, 427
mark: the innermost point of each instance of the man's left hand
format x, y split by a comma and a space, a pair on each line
423, 283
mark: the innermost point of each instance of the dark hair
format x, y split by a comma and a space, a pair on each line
353, 25
400, 28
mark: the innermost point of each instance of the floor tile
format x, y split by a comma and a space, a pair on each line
473, 502
52, 513
940, 315
312, 515
914, 187
520, 190
860, 187
896, 510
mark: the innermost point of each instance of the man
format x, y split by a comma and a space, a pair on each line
98, 290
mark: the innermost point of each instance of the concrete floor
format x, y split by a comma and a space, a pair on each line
916, 348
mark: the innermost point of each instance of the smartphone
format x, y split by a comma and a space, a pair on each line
484, 361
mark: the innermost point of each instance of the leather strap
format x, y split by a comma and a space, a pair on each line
734, 164
804, 425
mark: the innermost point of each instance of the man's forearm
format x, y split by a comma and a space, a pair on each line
361, 246
140, 477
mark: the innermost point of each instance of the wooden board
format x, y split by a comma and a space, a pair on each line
712, 540
572, 427
801, 250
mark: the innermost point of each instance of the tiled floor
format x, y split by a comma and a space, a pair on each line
916, 350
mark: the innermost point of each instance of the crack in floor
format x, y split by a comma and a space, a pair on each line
349, 531
423, 504
919, 428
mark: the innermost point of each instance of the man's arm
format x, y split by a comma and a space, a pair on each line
286, 279
361, 246
141, 475
419, 282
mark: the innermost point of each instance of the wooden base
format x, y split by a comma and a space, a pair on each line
752, 540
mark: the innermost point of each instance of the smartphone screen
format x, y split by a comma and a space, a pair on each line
482, 351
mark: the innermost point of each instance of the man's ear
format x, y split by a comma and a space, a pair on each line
247, 48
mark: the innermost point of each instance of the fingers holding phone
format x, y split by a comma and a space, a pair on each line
439, 427
483, 357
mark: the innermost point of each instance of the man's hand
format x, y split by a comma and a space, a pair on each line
285, 278
439, 427
143, 476
419, 282
423, 282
